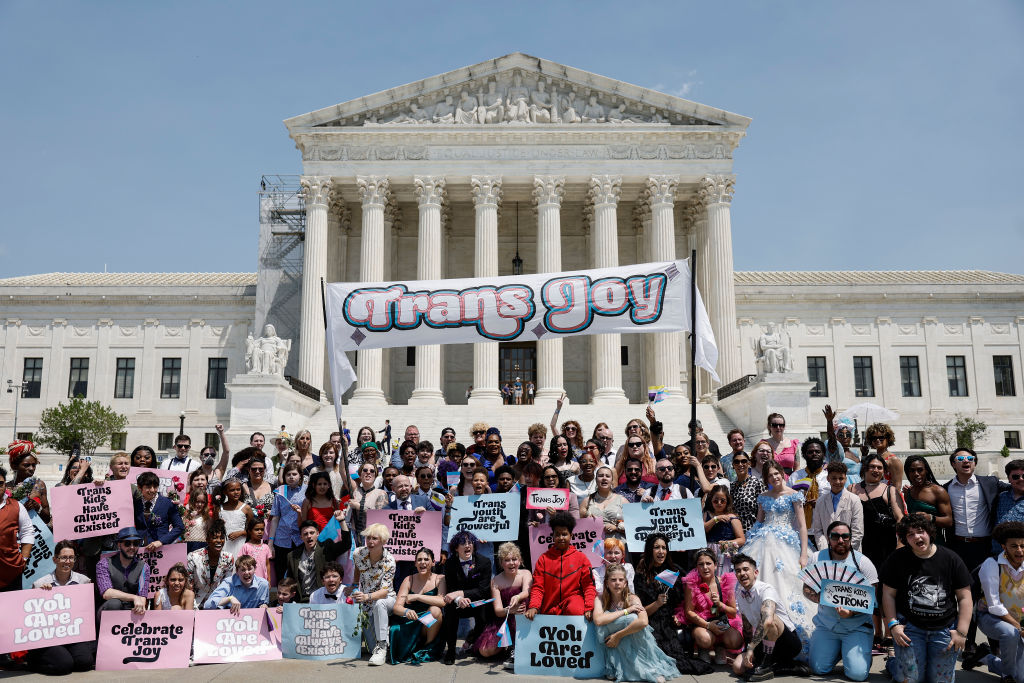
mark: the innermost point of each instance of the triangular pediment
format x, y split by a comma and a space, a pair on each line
517, 90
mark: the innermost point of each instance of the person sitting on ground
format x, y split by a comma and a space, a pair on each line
329, 593
999, 610
564, 584
710, 606
773, 644
422, 593
614, 553
60, 660
467, 575
510, 591
244, 590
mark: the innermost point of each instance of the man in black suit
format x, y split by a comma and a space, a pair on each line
973, 499
156, 517
467, 576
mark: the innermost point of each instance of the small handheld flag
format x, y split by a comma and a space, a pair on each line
656, 394
331, 532
427, 619
668, 577
504, 636
481, 602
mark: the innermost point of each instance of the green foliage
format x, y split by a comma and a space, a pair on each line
1005, 451
86, 423
944, 435
968, 431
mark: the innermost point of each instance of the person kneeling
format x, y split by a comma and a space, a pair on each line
564, 585
244, 590
773, 643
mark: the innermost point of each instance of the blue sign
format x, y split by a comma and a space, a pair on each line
680, 520
40, 562
490, 516
558, 646
856, 597
320, 631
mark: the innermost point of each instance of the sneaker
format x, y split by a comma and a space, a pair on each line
704, 656
720, 657
510, 663
974, 657
761, 673
380, 651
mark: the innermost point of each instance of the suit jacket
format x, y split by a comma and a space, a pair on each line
326, 551
475, 586
164, 524
989, 487
849, 510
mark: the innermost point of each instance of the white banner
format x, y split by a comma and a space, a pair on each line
648, 297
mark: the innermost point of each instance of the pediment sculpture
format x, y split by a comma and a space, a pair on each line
268, 353
518, 99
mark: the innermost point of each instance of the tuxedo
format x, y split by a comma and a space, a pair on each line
475, 583
160, 523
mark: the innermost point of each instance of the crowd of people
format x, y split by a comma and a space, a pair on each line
945, 561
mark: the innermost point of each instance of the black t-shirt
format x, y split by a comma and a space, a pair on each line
926, 587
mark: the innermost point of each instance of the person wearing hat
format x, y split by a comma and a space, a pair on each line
17, 533
122, 579
27, 488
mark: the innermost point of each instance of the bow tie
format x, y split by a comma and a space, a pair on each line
467, 563
746, 593
331, 596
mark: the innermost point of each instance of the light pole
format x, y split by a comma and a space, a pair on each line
181, 427
21, 390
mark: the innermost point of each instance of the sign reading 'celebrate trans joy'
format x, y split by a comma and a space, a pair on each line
647, 297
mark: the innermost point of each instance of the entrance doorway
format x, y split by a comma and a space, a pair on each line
517, 361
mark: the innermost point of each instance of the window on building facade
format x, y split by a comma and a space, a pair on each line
910, 376
916, 441
1011, 439
863, 376
164, 440
216, 378
816, 373
24, 436
33, 375
211, 440
119, 441
1002, 368
624, 353
956, 373
410, 356
78, 379
170, 378
124, 381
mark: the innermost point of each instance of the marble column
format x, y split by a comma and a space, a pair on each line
430, 193
547, 193
312, 349
717, 191
660, 196
486, 198
374, 192
605, 354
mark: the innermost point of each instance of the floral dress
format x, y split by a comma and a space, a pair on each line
198, 566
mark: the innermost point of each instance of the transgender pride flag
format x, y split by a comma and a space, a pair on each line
504, 637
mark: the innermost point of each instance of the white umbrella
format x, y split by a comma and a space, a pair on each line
869, 413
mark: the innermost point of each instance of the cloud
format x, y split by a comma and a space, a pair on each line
684, 89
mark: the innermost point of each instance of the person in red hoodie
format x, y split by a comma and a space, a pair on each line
562, 582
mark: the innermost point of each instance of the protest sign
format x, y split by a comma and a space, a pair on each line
91, 509
221, 637
169, 479
158, 639
855, 597
558, 646
542, 499
410, 531
40, 618
588, 537
678, 519
320, 631
40, 562
489, 516
160, 560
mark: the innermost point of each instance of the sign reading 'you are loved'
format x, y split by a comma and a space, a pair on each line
222, 637
558, 646
41, 618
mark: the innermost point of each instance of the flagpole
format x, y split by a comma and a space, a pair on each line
693, 337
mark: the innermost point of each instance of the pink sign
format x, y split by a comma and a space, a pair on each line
409, 531
542, 499
38, 618
220, 637
169, 479
160, 560
91, 509
154, 640
588, 537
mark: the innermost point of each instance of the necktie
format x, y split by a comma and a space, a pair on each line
149, 507
407, 505
812, 495
665, 494
835, 501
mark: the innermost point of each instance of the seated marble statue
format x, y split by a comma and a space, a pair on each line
414, 115
594, 113
466, 111
268, 354
618, 114
543, 108
444, 111
517, 107
492, 105
772, 350
569, 110
656, 116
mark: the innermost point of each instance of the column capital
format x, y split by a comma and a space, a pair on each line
605, 189
374, 190
661, 189
548, 189
694, 212
486, 190
641, 215
393, 214
430, 190
716, 189
316, 189
338, 209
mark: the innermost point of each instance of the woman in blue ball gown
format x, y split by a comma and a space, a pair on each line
778, 543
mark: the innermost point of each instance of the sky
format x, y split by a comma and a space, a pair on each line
885, 135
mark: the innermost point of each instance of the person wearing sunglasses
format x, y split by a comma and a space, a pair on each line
881, 437
842, 633
785, 449
1010, 504
122, 579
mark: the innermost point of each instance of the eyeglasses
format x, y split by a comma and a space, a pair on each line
470, 465
258, 470
965, 458
478, 432
493, 442
836, 536
663, 468
592, 447
633, 469
702, 443
66, 559
632, 427
182, 446
635, 444
131, 544
740, 462
878, 438
1016, 476
426, 475
778, 425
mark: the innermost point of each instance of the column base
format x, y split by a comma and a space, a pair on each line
613, 395
549, 394
426, 397
368, 397
485, 398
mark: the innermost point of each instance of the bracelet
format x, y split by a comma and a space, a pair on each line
964, 635
893, 622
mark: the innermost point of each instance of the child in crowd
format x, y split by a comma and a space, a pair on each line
330, 593
287, 590
320, 502
256, 548
235, 514
175, 593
